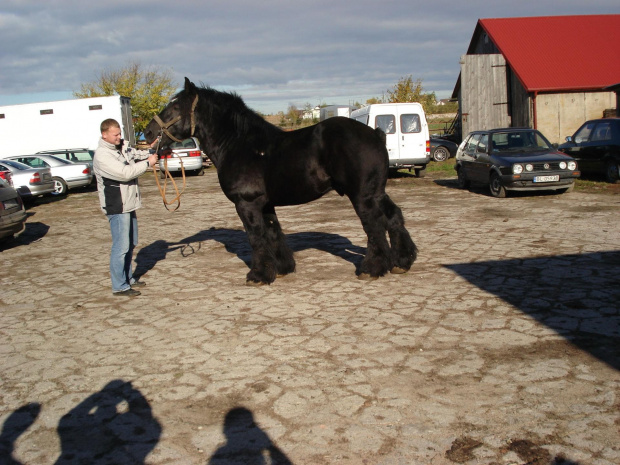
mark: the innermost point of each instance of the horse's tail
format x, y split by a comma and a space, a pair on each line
380, 134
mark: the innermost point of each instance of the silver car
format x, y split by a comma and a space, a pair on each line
187, 153
29, 182
66, 175
82, 155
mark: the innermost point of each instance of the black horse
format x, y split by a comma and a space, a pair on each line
261, 167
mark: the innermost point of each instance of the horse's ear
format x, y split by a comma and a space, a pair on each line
189, 86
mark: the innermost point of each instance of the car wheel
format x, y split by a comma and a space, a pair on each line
419, 172
60, 186
200, 172
441, 154
612, 171
496, 187
462, 181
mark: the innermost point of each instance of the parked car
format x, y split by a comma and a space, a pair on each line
513, 160
65, 174
80, 155
7, 176
28, 182
12, 211
596, 147
442, 149
187, 153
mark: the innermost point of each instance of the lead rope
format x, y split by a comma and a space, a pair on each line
168, 175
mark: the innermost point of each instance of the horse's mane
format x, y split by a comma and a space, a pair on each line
232, 121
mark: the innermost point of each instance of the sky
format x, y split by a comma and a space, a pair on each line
273, 53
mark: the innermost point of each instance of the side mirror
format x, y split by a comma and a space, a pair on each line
569, 139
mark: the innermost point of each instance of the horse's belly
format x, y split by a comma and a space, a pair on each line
296, 192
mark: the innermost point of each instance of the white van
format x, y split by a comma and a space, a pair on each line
406, 132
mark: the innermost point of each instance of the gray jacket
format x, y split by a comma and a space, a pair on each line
117, 173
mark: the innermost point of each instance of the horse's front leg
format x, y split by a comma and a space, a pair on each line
285, 263
263, 268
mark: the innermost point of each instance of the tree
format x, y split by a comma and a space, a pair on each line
149, 89
406, 90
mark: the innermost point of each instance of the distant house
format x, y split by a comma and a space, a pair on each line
315, 113
550, 73
335, 110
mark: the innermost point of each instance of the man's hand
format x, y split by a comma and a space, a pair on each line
152, 160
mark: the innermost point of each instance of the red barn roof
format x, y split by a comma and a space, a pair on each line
551, 53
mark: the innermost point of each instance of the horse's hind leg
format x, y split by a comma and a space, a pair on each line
285, 263
403, 250
377, 260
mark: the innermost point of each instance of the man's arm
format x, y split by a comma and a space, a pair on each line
108, 166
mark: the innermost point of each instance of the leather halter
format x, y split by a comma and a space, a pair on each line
164, 126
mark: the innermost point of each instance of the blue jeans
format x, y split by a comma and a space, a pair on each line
124, 228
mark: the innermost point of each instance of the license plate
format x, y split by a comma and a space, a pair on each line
547, 178
11, 203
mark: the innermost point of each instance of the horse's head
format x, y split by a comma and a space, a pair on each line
176, 121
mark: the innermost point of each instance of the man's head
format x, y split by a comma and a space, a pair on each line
111, 131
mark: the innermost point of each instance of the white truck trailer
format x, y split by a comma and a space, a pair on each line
34, 127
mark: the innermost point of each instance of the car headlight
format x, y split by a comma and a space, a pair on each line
529, 167
572, 165
562, 165
517, 169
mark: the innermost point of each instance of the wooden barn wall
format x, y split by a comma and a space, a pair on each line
484, 96
520, 104
560, 115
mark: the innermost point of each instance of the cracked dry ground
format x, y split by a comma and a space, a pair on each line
500, 346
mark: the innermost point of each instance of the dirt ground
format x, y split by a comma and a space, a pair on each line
500, 346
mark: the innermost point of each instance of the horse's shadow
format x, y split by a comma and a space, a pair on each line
236, 241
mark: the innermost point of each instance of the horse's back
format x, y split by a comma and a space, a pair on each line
338, 153
353, 152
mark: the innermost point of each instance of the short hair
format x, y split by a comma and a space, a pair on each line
109, 123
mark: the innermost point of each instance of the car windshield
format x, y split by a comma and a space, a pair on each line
15, 164
524, 141
61, 160
186, 144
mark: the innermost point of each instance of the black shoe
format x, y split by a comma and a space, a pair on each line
138, 284
127, 293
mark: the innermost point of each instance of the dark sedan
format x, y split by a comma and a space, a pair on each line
12, 212
513, 159
596, 147
442, 149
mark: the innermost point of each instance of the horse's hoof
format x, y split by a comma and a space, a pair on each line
398, 270
366, 277
249, 282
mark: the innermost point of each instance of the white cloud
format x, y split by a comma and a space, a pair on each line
273, 53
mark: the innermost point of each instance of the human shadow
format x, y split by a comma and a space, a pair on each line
575, 295
246, 443
14, 426
236, 242
114, 425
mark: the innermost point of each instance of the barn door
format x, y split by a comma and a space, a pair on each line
484, 93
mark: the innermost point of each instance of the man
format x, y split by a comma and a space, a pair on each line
117, 168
